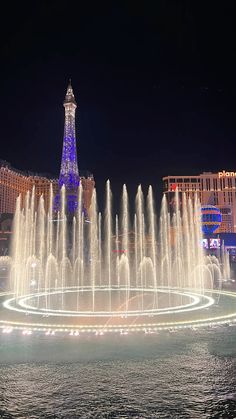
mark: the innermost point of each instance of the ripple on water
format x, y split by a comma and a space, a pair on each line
177, 376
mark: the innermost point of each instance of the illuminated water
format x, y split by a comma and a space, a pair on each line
109, 262
158, 376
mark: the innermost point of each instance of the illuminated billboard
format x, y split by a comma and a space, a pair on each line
205, 243
214, 243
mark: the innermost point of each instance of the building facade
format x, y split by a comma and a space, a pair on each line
88, 185
217, 189
14, 183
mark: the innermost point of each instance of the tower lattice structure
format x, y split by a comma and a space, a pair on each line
69, 173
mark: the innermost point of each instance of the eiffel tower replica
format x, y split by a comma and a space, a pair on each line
69, 172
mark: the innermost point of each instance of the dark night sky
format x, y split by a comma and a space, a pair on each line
155, 87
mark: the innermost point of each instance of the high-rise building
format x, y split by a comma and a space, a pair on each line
217, 189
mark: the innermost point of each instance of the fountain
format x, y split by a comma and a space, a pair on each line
105, 273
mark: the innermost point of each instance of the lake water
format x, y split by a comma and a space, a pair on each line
179, 375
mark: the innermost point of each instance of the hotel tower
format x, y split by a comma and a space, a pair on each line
217, 189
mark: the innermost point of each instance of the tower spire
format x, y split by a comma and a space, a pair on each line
70, 98
69, 173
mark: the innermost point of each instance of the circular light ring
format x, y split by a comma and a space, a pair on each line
197, 298
22, 302
127, 328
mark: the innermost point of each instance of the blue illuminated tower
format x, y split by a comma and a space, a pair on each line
69, 173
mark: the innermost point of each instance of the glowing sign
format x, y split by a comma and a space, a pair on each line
205, 243
226, 174
214, 243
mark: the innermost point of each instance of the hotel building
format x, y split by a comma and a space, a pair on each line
218, 189
15, 182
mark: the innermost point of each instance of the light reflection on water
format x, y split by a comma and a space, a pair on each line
179, 375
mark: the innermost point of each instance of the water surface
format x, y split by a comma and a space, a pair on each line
181, 375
